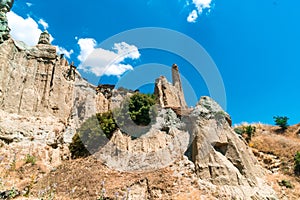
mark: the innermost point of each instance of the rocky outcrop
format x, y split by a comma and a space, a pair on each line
32, 81
165, 142
222, 158
43, 100
167, 94
170, 95
178, 85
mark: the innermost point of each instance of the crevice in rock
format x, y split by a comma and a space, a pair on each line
149, 195
221, 147
210, 171
6, 140
52, 77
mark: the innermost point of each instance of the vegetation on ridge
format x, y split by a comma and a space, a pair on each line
282, 122
133, 118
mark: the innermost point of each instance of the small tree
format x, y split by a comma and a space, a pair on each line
246, 131
282, 122
136, 114
297, 164
249, 130
92, 135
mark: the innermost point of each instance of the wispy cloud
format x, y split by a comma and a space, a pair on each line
29, 4
200, 6
44, 24
106, 62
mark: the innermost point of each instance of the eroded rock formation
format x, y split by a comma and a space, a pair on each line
43, 100
170, 95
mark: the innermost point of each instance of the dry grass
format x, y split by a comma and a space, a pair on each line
271, 140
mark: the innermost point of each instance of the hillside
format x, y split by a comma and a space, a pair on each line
275, 150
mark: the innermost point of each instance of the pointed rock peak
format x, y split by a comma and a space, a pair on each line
44, 38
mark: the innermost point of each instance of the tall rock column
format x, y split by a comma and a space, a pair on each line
177, 84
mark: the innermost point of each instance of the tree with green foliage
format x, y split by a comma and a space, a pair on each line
297, 164
134, 117
140, 108
281, 121
92, 135
136, 114
107, 123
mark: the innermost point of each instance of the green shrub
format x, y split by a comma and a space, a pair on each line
281, 121
286, 183
107, 123
239, 130
133, 117
136, 114
140, 108
30, 159
297, 164
93, 134
248, 130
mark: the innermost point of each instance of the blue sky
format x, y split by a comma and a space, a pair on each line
255, 44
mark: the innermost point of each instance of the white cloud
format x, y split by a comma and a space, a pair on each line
200, 5
44, 24
193, 16
29, 4
61, 50
26, 30
87, 46
106, 62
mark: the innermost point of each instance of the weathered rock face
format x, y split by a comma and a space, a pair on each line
42, 102
165, 142
170, 95
106, 101
32, 81
167, 94
222, 158
178, 85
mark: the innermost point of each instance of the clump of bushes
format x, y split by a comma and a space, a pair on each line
297, 164
246, 131
133, 118
281, 121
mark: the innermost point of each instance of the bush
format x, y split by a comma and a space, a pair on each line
133, 117
30, 159
136, 114
297, 164
281, 121
107, 123
286, 183
92, 135
248, 131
